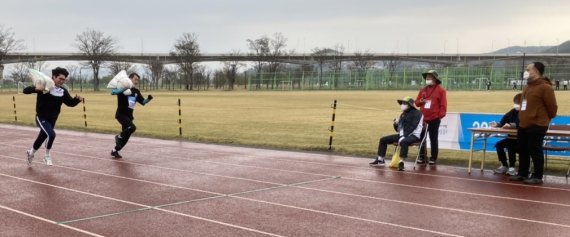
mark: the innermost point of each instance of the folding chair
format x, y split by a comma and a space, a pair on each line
416, 144
550, 147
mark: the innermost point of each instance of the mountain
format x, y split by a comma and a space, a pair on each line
562, 48
521, 49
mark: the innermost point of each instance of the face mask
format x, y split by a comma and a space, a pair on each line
403, 107
517, 106
429, 82
526, 75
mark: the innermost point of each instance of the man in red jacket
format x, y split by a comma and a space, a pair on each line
432, 101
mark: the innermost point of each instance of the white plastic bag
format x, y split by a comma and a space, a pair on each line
41, 81
120, 81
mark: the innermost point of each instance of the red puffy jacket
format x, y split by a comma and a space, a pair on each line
437, 98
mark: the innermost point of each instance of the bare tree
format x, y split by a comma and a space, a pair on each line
97, 47
169, 76
73, 71
116, 66
186, 50
391, 65
336, 63
231, 67
259, 50
320, 56
363, 60
8, 44
19, 73
156, 69
276, 49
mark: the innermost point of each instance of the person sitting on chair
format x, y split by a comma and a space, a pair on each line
409, 127
510, 120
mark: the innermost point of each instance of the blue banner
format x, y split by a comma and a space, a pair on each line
472, 120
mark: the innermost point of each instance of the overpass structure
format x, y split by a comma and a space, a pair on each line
165, 58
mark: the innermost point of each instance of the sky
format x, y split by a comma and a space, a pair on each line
403, 26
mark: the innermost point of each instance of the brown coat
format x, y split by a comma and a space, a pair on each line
541, 104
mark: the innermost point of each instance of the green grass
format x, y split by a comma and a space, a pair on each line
284, 120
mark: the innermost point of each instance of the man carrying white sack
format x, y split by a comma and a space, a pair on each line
48, 107
126, 101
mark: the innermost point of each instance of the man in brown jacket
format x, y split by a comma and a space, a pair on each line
538, 108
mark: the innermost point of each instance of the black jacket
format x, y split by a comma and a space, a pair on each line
48, 106
409, 120
511, 117
123, 106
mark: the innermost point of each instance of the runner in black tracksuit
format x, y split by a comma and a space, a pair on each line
126, 101
48, 107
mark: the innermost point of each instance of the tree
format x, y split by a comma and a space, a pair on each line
231, 67
115, 67
156, 68
319, 55
8, 44
362, 63
186, 51
170, 76
276, 49
97, 47
391, 65
259, 50
73, 71
363, 60
19, 73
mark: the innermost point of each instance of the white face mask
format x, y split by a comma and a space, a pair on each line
404, 107
429, 82
517, 106
526, 75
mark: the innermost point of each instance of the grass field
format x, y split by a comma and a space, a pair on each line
286, 120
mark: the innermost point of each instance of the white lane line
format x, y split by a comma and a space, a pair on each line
418, 204
121, 177
182, 202
49, 221
459, 192
161, 167
297, 185
439, 207
227, 224
347, 178
352, 217
139, 204
367, 168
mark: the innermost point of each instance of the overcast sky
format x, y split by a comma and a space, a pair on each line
401, 26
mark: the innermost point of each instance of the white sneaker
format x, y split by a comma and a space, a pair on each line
512, 171
501, 170
47, 159
30, 157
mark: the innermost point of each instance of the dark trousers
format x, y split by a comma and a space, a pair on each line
511, 145
46, 126
404, 144
433, 132
530, 142
128, 129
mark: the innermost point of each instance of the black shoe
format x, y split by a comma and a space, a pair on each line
533, 181
517, 178
377, 163
421, 161
116, 154
431, 161
401, 166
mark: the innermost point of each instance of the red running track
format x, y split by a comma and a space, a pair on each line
173, 188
